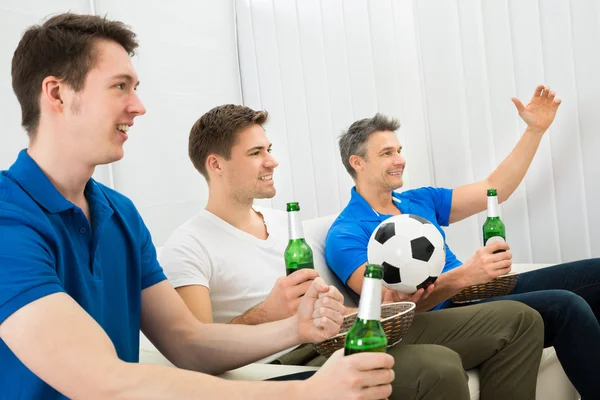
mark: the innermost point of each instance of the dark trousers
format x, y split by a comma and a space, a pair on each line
567, 296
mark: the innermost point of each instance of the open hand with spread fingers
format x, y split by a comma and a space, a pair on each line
541, 110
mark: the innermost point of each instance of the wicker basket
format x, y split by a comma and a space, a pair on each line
396, 318
500, 286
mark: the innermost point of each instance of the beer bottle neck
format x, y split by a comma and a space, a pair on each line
492, 206
369, 307
294, 226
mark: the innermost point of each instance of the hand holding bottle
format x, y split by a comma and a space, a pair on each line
284, 299
359, 376
488, 262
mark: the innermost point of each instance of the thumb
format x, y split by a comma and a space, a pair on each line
518, 104
317, 286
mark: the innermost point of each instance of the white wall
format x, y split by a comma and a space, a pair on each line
447, 69
187, 64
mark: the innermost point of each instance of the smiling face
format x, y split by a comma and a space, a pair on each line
248, 172
96, 119
383, 164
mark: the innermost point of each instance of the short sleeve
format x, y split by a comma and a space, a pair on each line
440, 199
185, 260
27, 263
346, 248
152, 272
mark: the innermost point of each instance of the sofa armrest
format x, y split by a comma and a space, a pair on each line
520, 268
259, 372
250, 372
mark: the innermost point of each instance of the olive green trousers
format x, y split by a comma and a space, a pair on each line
503, 339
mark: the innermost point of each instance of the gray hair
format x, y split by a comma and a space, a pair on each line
354, 140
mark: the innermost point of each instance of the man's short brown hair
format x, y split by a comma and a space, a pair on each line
216, 132
62, 47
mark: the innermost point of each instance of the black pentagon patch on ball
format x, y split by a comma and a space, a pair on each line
420, 219
385, 232
422, 249
391, 274
427, 282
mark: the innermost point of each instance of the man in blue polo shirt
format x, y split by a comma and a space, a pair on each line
371, 154
78, 270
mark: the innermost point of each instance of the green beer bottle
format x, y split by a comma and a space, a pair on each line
493, 228
298, 253
367, 334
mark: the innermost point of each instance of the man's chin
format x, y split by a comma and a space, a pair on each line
265, 194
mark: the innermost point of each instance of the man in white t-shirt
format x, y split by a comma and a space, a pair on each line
227, 264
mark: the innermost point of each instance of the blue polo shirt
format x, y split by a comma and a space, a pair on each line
48, 246
348, 237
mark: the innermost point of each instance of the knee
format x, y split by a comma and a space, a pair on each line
527, 317
442, 367
567, 302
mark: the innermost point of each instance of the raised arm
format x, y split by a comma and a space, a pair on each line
538, 115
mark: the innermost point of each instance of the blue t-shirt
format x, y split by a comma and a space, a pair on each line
348, 237
47, 246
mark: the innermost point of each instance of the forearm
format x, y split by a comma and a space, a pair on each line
139, 381
509, 174
216, 348
447, 285
254, 316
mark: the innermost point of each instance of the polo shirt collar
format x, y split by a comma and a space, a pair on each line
33, 180
362, 211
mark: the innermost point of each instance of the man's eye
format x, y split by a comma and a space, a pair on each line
254, 154
120, 86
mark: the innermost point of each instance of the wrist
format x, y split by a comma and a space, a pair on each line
535, 131
458, 278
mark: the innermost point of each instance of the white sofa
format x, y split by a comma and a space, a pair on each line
553, 384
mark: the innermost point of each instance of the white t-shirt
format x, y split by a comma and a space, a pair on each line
238, 268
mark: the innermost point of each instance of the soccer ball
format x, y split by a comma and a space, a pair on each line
411, 251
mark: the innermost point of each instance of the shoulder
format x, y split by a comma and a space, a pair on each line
191, 236
424, 194
117, 199
347, 226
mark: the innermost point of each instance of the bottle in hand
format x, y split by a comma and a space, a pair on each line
298, 253
367, 334
493, 228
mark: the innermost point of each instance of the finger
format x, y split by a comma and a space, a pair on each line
504, 264
376, 392
331, 304
327, 326
336, 316
551, 96
538, 91
504, 271
518, 104
368, 361
427, 292
493, 246
333, 293
417, 295
317, 286
501, 256
400, 296
557, 102
300, 289
546, 92
377, 377
301, 275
